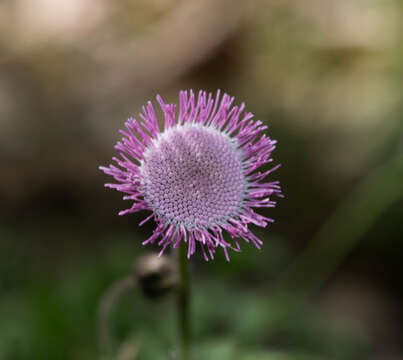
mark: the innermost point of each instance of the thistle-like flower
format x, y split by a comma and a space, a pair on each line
198, 176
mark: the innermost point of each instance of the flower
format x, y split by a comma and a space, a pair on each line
199, 174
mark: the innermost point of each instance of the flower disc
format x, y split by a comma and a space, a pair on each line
193, 176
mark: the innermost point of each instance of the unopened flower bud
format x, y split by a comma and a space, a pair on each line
156, 276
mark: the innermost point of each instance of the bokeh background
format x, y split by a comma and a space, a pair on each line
326, 76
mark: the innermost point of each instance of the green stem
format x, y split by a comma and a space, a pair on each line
184, 304
340, 234
106, 305
346, 227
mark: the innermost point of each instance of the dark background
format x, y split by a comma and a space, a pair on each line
326, 76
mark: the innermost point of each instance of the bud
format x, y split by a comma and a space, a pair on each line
156, 276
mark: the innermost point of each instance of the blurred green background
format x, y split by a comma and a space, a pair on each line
325, 75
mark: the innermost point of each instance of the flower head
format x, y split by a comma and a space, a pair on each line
198, 175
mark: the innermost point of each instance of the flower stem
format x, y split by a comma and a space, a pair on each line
107, 303
339, 235
183, 304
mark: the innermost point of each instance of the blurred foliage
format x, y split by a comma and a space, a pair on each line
49, 312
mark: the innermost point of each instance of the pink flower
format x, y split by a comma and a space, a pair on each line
198, 175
